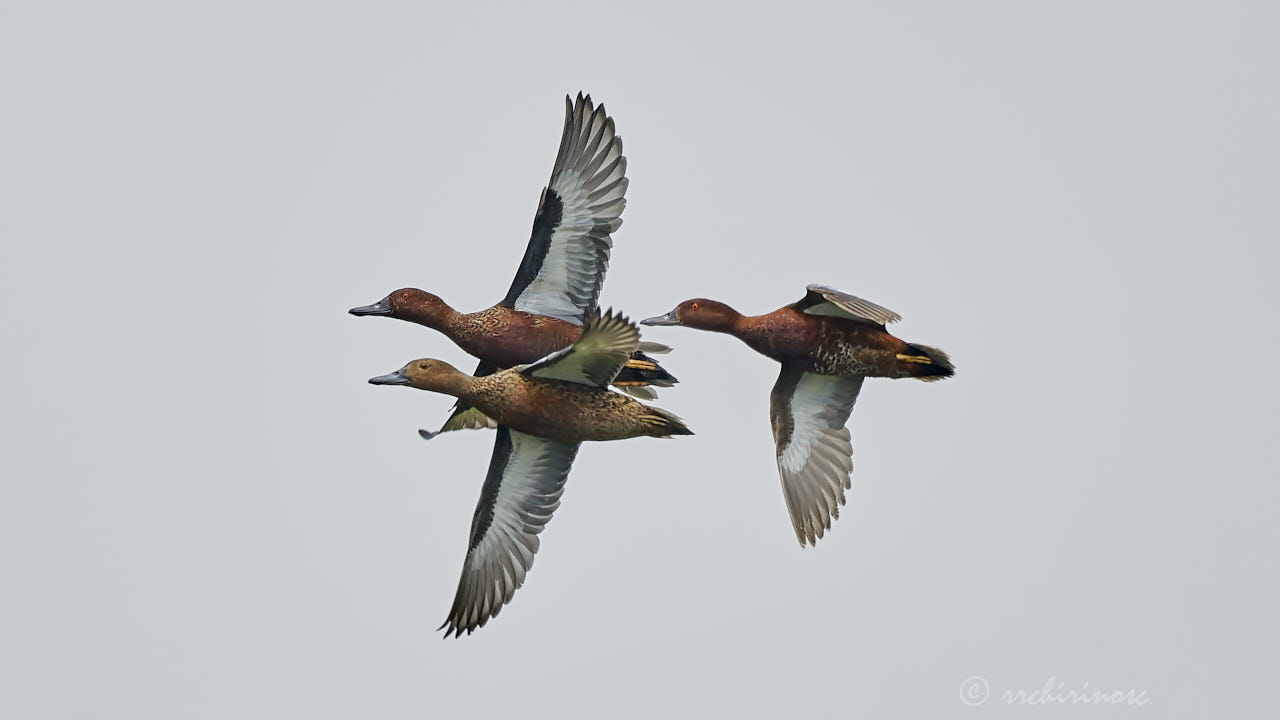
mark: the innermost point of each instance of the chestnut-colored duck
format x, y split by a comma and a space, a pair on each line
827, 343
544, 411
560, 277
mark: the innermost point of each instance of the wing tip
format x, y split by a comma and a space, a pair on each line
610, 321
452, 626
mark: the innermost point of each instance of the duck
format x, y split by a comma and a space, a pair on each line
544, 411
559, 278
827, 343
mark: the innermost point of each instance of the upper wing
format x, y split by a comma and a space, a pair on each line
522, 490
568, 253
822, 300
605, 345
808, 412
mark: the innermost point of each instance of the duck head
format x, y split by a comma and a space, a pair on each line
409, 304
425, 374
699, 313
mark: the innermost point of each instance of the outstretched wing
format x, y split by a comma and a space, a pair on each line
522, 490
822, 300
605, 345
568, 253
815, 458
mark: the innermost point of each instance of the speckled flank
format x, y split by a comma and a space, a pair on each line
580, 412
568, 412
824, 344
509, 337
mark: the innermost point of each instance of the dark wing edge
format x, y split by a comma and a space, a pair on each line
521, 491
808, 413
567, 256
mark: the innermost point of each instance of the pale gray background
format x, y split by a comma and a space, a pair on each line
207, 513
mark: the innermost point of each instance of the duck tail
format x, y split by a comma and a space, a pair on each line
926, 363
640, 372
663, 424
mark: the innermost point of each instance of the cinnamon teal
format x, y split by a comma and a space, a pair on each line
827, 343
544, 411
560, 276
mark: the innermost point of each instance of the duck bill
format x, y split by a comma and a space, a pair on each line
668, 319
396, 378
382, 307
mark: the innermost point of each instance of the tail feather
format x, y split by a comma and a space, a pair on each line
927, 363
654, 348
663, 423
643, 370
640, 392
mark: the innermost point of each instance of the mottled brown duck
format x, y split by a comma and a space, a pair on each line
560, 276
544, 411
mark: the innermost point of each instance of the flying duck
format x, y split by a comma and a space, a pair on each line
827, 343
560, 276
544, 411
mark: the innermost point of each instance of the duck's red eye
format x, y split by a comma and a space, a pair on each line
404, 296
693, 306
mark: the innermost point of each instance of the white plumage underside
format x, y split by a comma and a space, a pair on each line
590, 180
532, 484
817, 460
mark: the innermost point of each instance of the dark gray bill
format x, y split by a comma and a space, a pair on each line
395, 378
668, 319
382, 307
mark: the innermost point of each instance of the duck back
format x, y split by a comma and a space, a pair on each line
507, 337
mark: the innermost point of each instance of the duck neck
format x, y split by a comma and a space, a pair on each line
754, 330
438, 316
455, 383
731, 322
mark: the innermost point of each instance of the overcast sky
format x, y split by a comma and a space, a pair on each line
206, 512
